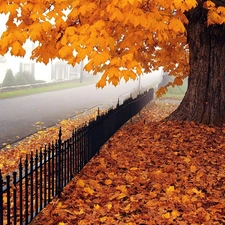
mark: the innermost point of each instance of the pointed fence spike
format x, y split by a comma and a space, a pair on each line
98, 111
60, 133
118, 103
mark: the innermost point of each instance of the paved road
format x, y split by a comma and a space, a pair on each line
18, 115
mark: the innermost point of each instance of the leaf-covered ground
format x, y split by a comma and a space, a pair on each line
149, 172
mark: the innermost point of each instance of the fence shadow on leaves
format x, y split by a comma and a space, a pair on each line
42, 176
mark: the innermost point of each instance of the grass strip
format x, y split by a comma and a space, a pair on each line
51, 87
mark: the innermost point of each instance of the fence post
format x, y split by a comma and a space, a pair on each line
26, 189
1, 198
14, 198
31, 186
53, 169
36, 182
58, 162
21, 191
8, 198
100, 134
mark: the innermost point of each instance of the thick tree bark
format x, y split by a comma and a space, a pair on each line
204, 101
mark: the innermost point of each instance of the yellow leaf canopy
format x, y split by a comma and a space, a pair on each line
121, 39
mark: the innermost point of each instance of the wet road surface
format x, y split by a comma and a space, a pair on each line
19, 115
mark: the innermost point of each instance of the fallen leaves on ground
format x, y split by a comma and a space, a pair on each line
149, 172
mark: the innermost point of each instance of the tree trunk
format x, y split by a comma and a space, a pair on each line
204, 101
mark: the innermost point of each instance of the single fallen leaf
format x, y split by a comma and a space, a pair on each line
109, 205
166, 215
108, 182
185, 199
175, 214
89, 190
79, 212
80, 183
193, 169
96, 206
187, 160
170, 189
133, 168
122, 188
103, 219
127, 208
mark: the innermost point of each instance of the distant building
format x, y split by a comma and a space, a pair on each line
55, 70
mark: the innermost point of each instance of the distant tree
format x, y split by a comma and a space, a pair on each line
9, 79
30, 79
20, 79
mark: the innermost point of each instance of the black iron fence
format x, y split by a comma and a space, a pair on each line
43, 175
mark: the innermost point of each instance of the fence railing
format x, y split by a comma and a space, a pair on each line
42, 176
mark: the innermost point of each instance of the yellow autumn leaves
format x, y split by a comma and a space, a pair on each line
215, 14
184, 5
119, 39
88, 190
